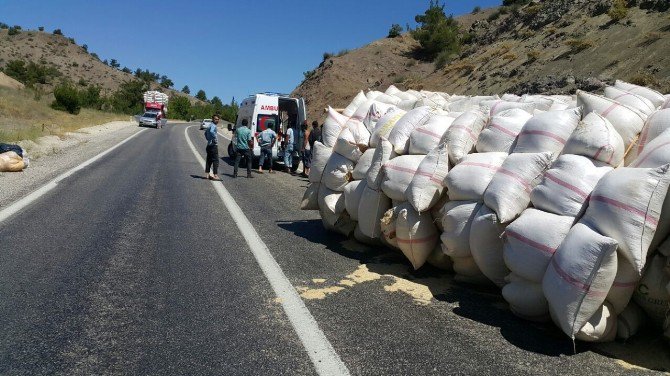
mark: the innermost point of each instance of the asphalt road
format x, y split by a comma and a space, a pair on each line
133, 265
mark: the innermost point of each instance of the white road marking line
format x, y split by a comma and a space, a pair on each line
219, 133
321, 352
22, 203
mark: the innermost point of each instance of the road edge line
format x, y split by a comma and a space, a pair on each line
39, 192
324, 358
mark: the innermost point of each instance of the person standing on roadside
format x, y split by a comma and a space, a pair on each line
305, 149
312, 135
266, 141
289, 138
212, 150
245, 143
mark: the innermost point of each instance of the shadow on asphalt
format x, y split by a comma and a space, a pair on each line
483, 304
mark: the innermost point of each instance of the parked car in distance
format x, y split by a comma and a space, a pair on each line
205, 123
151, 119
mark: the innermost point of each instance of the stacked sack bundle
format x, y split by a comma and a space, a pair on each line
524, 192
12, 158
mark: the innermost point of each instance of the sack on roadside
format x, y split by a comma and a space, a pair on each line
337, 172
10, 161
320, 156
548, 131
468, 180
654, 96
425, 138
426, 186
416, 235
486, 245
462, 135
363, 165
353, 192
310, 200
508, 194
526, 299
601, 327
501, 131
579, 276
398, 173
595, 138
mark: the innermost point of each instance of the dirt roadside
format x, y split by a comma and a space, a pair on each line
51, 155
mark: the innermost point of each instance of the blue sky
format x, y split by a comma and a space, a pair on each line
227, 48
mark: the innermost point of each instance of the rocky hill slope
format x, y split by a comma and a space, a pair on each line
551, 47
71, 61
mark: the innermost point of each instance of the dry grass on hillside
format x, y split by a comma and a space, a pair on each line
22, 117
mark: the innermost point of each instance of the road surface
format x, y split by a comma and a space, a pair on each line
135, 265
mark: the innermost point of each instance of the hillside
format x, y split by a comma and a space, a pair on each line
551, 47
72, 61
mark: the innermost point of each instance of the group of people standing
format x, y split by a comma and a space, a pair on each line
243, 141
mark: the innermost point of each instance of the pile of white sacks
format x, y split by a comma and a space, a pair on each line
558, 200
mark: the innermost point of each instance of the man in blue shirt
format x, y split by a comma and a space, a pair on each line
212, 149
266, 141
244, 141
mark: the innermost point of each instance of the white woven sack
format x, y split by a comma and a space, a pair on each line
385, 125
376, 111
462, 134
403, 95
359, 131
635, 101
399, 135
601, 327
651, 294
434, 100
542, 103
579, 276
359, 99
358, 235
363, 109
353, 192
438, 259
416, 235
337, 172
624, 285
467, 271
666, 105
630, 321
425, 138
627, 121
626, 205
398, 173
310, 199
565, 187
372, 94
526, 299
437, 212
427, 184
387, 225
407, 104
486, 245
347, 147
462, 105
468, 180
457, 223
654, 96
332, 127
595, 138
383, 152
548, 131
531, 240
363, 165
392, 90
340, 223
510, 97
508, 194
501, 131
320, 156
331, 201
372, 206
496, 106
656, 153
656, 124
387, 99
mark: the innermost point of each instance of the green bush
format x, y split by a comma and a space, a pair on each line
327, 55
201, 95
515, 2
67, 99
4, 25
13, 31
58, 32
128, 98
618, 11
395, 31
436, 33
180, 107
90, 97
30, 73
40, 28
476, 9
442, 59
309, 74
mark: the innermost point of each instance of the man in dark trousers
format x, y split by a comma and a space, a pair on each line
245, 143
212, 149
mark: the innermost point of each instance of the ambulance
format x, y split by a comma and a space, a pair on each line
279, 110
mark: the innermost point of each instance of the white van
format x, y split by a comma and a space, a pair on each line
264, 109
